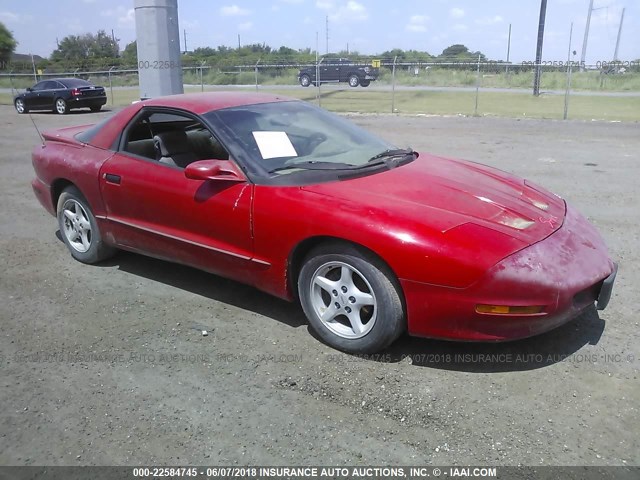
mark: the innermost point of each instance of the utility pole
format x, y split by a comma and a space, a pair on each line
238, 41
327, 30
113, 39
568, 90
185, 40
508, 49
586, 37
538, 71
615, 55
33, 64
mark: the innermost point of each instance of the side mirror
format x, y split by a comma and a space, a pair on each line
29, 89
215, 170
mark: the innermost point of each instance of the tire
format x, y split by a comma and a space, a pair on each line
351, 298
365, 83
20, 106
95, 108
305, 80
354, 80
79, 229
60, 106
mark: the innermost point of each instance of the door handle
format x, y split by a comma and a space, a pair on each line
111, 178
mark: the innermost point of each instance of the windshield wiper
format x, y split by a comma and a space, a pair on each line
384, 158
311, 165
391, 153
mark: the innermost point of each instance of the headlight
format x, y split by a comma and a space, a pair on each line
513, 221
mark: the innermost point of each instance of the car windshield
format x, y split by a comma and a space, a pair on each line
287, 138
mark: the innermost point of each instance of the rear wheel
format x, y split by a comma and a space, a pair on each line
79, 228
351, 299
96, 108
354, 80
61, 106
20, 106
305, 80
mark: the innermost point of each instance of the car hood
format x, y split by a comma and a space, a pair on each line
442, 193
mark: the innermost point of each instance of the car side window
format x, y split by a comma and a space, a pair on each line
173, 139
39, 86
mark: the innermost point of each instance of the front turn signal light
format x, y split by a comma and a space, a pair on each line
509, 310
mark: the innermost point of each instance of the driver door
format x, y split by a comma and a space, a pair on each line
154, 209
33, 99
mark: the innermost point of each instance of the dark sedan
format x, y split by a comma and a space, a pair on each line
61, 95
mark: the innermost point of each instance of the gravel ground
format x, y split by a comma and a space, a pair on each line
103, 365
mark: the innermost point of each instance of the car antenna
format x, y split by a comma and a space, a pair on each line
13, 88
37, 130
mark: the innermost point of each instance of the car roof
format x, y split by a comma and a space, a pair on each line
62, 79
72, 80
200, 103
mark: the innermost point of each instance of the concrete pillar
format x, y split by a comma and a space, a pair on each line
158, 41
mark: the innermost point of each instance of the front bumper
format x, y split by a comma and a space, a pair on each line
607, 287
567, 273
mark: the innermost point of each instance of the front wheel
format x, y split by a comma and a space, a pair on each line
305, 80
365, 83
79, 228
351, 299
354, 81
20, 106
61, 106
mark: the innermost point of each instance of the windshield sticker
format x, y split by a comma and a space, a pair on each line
274, 145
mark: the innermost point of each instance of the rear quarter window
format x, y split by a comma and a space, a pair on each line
88, 135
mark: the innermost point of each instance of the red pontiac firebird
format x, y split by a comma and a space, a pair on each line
373, 240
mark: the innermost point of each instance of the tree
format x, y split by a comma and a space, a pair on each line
205, 52
80, 48
7, 44
286, 51
461, 52
130, 54
455, 51
404, 56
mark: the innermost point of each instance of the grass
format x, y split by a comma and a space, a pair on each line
495, 77
556, 80
499, 104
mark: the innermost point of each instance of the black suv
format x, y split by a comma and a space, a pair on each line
339, 70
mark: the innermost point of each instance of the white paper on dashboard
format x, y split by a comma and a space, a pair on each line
274, 144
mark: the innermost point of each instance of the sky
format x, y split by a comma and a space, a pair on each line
368, 27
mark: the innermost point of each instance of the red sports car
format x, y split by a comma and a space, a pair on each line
373, 240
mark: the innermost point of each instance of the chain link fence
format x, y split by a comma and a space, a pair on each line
606, 90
